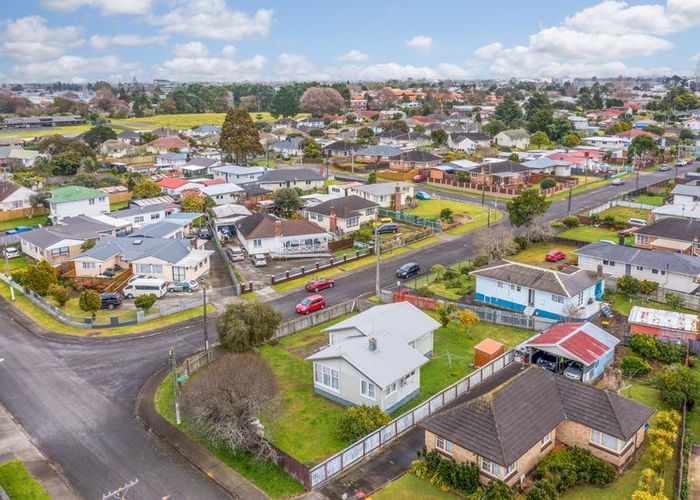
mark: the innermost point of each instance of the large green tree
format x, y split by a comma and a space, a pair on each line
99, 134
642, 149
243, 326
146, 188
286, 101
508, 111
524, 210
239, 136
287, 201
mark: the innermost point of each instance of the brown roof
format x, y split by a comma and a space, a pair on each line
506, 422
345, 207
263, 226
7, 188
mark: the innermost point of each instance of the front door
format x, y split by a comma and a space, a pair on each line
628, 269
530, 297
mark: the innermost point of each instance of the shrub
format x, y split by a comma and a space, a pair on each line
481, 261
548, 183
444, 312
676, 383
446, 474
522, 243
497, 490
595, 218
145, 302
557, 225
90, 301
634, 366
59, 293
542, 489
644, 345
628, 285
36, 277
243, 326
674, 300
669, 353
566, 468
608, 220
570, 221
450, 274
647, 287
358, 421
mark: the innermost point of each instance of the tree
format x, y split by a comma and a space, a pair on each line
36, 277
364, 134
438, 269
239, 136
372, 178
66, 163
321, 100
383, 99
676, 383
687, 135
99, 134
445, 311
655, 129
192, 202
467, 319
395, 125
571, 140
438, 136
145, 302
642, 148
497, 243
287, 201
524, 209
286, 101
540, 120
508, 111
90, 301
539, 139
559, 127
38, 200
495, 490
446, 215
226, 401
146, 188
358, 421
310, 148
243, 326
60, 294
493, 127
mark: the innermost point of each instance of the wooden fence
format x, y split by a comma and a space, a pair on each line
690, 301
19, 213
394, 175
336, 245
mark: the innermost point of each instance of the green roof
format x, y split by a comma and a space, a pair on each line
74, 193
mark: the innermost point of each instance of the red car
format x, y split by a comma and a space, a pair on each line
319, 284
310, 304
555, 256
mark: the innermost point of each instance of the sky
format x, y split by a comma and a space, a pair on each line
277, 40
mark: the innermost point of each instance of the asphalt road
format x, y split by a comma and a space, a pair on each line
76, 399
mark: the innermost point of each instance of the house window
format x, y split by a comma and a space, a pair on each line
580, 299
353, 221
558, 299
88, 265
138, 218
612, 263
654, 271
312, 216
663, 273
500, 284
368, 390
640, 268
605, 440
179, 273
17, 204
155, 216
390, 389
546, 440
57, 252
491, 467
510, 469
320, 218
326, 376
443, 445
257, 243
605, 262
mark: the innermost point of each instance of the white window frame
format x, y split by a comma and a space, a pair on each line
598, 438
257, 243
368, 390
390, 389
444, 445
326, 376
546, 440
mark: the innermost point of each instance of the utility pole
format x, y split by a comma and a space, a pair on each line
206, 333
9, 275
173, 365
483, 186
636, 185
377, 250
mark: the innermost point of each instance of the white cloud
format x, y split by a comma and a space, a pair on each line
488, 51
190, 49
228, 51
213, 19
75, 68
107, 7
298, 67
29, 39
354, 56
99, 42
219, 69
420, 42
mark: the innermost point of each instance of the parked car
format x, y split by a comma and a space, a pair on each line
666, 168
682, 163
144, 286
204, 233
184, 286
422, 195
109, 272
573, 372
235, 253
407, 270
110, 300
140, 277
419, 178
555, 256
617, 182
382, 220
11, 253
310, 304
637, 222
546, 361
387, 228
258, 260
319, 284
19, 230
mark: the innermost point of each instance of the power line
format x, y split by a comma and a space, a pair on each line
120, 493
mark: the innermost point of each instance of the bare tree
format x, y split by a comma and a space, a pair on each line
539, 230
321, 100
572, 313
497, 243
226, 401
383, 99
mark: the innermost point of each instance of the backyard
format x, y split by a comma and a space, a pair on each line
650, 199
534, 254
24, 221
410, 487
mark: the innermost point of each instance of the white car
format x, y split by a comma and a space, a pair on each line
617, 182
11, 253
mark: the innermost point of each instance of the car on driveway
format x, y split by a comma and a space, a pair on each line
184, 286
617, 182
422, 195
555, 256
319, 284
407, 270
664, 168
110, 300
387, 228
18, 230
258, 260
310, 304
683, 163
235, 253
11, 253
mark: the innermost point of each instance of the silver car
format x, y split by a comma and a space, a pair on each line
573, 373
258, 260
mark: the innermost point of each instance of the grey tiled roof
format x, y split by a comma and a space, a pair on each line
345, 207
508, 421
290, 174
673, 262
672, 228
81, 227
169, 250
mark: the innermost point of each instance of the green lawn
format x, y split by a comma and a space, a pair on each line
477, 215
19, 484
274, 481
409, 487
440, 288
186, 120
622, 303
15, 264
534, 255
591, 234
592, 184
650, 199
623, 214
24, 221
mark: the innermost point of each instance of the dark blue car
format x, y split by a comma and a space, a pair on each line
18, 230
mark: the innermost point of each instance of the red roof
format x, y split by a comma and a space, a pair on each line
210, 182
169, 143
636, 132
423, 119
570, 338
172, 183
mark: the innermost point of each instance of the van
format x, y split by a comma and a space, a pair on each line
637, 222
144, 286
387, 228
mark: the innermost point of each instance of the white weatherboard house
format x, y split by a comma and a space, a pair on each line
374, 358
72, 201
558, 295
266, 234
13, 196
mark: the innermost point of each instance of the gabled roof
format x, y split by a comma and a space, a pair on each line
172, 182
686, 189
419, 156
345, 207
672, 228
673, 262
567, 282
545, 162
171, 250
239, 170
264, 226
583, 342
81, 228
74, 193
506, 422
341, 146
378, 150
517, 133
472, 136
382, 188
290, 175
501, 167
201, 161
7, 188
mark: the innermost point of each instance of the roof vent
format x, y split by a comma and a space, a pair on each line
372, 344
138, 242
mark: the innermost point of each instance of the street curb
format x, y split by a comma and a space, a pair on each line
224, 476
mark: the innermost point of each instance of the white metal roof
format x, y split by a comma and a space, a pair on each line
663, 319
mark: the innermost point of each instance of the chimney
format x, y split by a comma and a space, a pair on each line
332, 222
372, 344
599, 271
397, 198
278, 228
621, 240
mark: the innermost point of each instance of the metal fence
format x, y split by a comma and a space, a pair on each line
690, 301
377, 440
222, 253
435, 225
620, 203
318, 266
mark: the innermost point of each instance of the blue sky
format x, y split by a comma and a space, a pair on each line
226, 40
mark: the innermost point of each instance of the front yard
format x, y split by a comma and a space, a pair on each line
534, 255
650, 199
623, 304
623, 214
409, 487
589, 234
468, 215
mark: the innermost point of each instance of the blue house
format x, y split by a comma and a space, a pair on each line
571, 293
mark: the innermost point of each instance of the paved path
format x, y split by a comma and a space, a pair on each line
694, 473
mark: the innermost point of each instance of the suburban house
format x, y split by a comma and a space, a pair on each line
385, 194
71, 201
11, 157
507, 431
571, 293
500, 173
311, 122
172, 227
305, 179
340, 148
550, 166
167, 144
515, 138
199, 166
667, 325
139, 216
584, 346
672, 271
173, 186
223, 193
169, 259
684, 194
170, 161
130, 137
241, 176
670, 235
344, 215
265, 234
14, 197
291, 147
410, 160
409, 140
117, 149
376, 154
374, 358
684, 211
468, 141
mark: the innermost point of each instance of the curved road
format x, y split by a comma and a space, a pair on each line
76, 398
